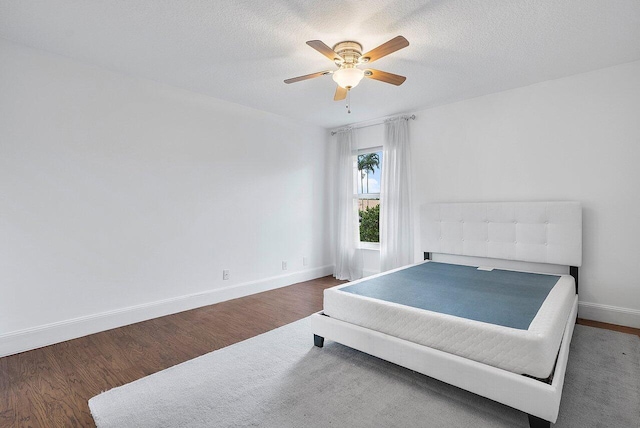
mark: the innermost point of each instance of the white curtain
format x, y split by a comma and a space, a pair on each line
347, 263
396, 219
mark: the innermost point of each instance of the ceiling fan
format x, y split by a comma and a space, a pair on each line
348, 56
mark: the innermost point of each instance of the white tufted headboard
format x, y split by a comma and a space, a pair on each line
540, 232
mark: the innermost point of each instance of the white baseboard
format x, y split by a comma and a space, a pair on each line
609, 314
48, 334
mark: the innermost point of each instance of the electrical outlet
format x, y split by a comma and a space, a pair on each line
284, 265
305, 261
225, 275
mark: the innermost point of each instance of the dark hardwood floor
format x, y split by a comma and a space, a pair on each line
50, 387
607, 326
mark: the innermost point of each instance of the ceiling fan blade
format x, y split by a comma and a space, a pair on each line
307, 76
385, 49
383, 76
325, 50
341, 94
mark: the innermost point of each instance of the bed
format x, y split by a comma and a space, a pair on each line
497, 322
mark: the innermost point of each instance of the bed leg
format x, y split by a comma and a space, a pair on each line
318, 340
536, 422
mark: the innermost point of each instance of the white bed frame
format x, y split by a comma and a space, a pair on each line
537, 232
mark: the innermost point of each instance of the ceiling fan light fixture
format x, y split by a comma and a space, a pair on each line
348, 78
347, 56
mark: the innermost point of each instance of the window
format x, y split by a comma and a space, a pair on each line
369, 164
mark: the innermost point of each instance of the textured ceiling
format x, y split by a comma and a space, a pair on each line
241, 51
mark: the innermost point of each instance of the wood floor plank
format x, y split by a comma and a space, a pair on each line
7, 407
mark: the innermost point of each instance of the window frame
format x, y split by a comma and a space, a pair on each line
357, 196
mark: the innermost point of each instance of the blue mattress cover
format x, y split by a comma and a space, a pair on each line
501, 297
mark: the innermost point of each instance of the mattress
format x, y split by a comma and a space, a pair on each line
518, 346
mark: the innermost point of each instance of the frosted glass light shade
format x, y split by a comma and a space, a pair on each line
348, 77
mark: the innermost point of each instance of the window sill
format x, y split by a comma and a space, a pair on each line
375, 246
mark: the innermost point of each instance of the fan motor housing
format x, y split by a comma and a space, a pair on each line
349, 50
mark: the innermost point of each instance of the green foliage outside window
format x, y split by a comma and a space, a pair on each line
370, 224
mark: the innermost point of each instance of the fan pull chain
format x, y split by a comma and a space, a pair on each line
348, 106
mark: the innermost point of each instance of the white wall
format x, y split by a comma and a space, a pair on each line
122, 199
576, 138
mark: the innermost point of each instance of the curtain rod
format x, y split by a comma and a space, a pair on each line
412, 117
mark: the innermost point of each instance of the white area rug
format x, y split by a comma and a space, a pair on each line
279, 379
